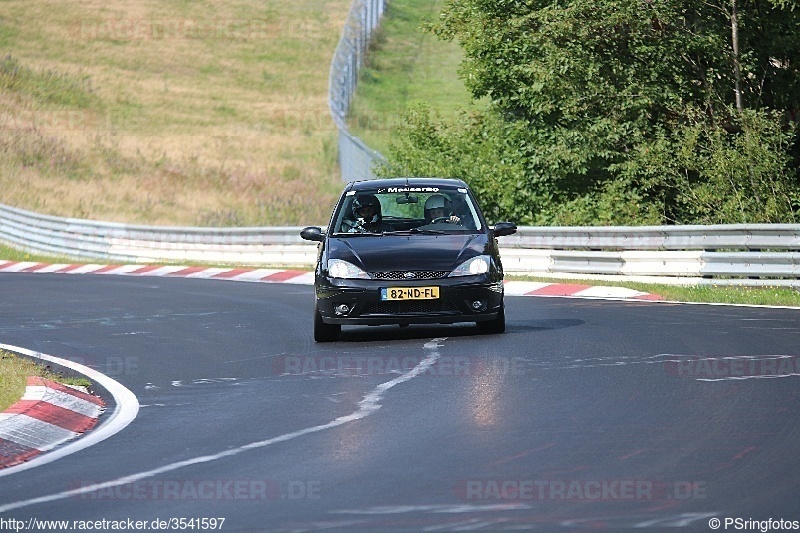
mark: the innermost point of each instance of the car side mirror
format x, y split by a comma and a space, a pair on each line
504, 228
312, 233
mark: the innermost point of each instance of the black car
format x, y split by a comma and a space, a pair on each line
407, 251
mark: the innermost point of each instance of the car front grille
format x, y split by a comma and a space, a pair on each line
406, 274
409, 307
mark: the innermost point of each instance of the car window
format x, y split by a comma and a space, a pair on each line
401, 210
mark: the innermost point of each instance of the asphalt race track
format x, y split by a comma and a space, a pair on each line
586, 414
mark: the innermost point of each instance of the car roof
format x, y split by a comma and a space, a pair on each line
403, 182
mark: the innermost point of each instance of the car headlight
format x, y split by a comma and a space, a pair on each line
344, 270
472, 267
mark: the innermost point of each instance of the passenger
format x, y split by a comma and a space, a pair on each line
367, 216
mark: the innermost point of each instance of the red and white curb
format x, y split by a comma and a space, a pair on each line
265, 275
532, 288
48, 415
304, 277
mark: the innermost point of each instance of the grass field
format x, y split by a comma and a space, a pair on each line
13, 373
189, 113
406, 66
197, 113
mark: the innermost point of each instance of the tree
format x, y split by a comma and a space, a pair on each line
583, 90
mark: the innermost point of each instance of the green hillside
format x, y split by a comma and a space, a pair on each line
199, 113
406, 66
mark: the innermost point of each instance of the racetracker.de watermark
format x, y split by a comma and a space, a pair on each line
734, 367
365, 365
112, 365
578, 490
207, 490
128, 29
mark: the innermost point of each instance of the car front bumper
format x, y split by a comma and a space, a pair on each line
358, 302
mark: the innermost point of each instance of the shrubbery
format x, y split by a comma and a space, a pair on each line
619, 112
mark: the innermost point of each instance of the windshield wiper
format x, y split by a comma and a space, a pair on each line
431, 231
420, 231
401, 232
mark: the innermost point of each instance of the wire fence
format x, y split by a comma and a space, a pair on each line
356, 159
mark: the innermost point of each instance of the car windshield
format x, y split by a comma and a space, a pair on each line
407, 210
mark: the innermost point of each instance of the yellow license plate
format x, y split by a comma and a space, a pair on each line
410, 293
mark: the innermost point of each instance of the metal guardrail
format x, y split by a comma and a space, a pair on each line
109, 241
758, 253
356, 159
762, 254
712, 237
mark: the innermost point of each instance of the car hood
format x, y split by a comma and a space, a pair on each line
407, 252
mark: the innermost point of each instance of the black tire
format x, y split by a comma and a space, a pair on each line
325, 332
492, 327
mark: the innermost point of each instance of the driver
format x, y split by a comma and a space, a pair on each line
367, 215
438, 208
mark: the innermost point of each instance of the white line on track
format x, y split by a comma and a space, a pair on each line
369, 404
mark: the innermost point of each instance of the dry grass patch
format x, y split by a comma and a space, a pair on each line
171, 113
14, 371
13, 374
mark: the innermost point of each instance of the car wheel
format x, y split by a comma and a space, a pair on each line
325, 332
498, 325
